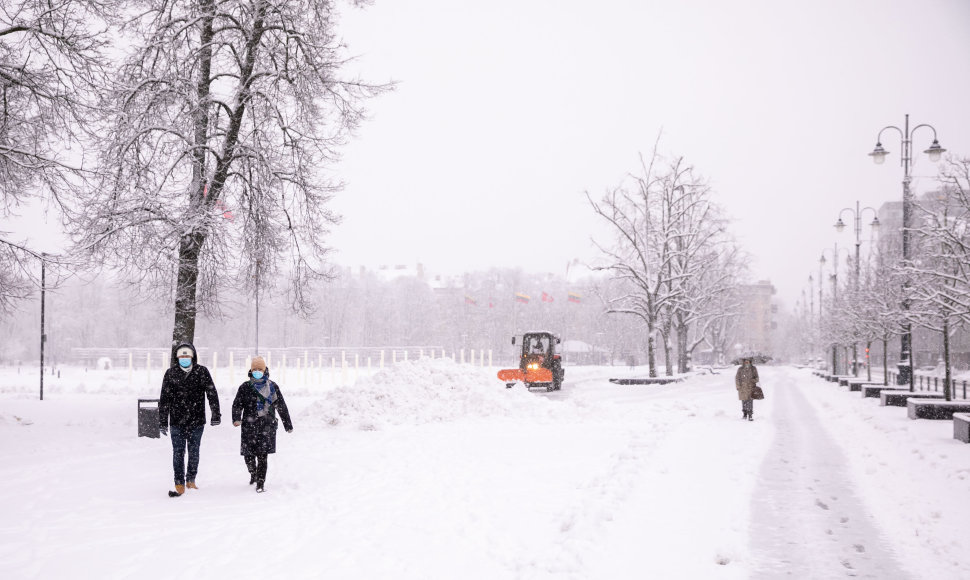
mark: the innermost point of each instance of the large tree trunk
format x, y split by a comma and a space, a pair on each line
682, 353
947, 393
651, 347
668, 367
188, 277
885, 362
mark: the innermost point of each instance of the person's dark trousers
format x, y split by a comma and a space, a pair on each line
747, 407
257, 465
183, 437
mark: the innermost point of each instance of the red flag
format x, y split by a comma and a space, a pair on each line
547, 297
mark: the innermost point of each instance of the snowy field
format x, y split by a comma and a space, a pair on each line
432, 469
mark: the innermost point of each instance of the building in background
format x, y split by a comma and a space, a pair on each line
757, 319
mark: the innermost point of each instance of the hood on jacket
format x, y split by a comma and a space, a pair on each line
195, 354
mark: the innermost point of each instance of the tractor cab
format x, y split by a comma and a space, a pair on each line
539, 364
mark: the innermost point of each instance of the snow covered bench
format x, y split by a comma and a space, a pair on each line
646, 381
961, 427
837, 379
873, 390
890, 398
935, 409
857, 384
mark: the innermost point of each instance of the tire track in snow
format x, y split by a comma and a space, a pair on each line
807, 520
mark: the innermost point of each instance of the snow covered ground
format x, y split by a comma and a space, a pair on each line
431, 469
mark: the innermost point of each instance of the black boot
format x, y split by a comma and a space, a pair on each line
259, 487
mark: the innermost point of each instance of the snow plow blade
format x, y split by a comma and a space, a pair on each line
539, 375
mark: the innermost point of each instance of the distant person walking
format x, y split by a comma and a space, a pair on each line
254, 408
185, 387
746, 380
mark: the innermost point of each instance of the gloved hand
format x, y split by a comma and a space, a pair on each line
215, 420
163, 430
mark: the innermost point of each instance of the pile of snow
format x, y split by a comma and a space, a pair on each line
430, 391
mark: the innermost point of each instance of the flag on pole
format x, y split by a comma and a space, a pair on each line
575, 298
521, 298
547, 297
470, 300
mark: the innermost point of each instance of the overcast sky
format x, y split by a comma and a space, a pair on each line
507, 111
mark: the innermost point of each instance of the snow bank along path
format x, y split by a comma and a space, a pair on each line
435, 470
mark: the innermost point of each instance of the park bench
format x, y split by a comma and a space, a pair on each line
898, 398
935, 409
961, 427
646, 381
872, 390
857, 384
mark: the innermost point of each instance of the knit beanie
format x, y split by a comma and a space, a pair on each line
258, 364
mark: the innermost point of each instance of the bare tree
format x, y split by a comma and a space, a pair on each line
642, 253
942, 296
222, 123
51, 69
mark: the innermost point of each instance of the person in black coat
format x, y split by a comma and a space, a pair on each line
181, 404
255, 406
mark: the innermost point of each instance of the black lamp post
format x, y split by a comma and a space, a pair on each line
857, 226
878, 155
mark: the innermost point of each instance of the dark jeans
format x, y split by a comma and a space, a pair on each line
747, 407
257, 465
183, 437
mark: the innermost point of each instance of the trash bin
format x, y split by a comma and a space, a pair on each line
148, 418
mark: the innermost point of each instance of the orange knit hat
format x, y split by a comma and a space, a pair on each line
258, 364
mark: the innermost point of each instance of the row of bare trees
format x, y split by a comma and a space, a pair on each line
676, 267
930, 291
185, 142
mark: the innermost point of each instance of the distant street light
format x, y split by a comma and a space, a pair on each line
878, 155
835, 293
857, 223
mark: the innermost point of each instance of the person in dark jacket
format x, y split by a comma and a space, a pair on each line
255, 406
185, 388
745, 381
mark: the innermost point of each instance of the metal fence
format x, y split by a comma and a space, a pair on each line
958, 388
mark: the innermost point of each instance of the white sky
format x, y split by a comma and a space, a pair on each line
507, 111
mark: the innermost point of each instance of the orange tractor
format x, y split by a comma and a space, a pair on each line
539, 365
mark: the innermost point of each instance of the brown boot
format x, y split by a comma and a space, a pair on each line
180, 489
190, 485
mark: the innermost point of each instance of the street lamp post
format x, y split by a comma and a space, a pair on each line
857, 226
835, 294
878, 155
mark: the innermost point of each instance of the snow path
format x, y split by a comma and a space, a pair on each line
808, 520
437, 472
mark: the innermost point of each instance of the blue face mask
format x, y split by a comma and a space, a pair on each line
185, 362
257, 375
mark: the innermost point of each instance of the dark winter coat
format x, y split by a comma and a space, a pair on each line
184, 393
258, 433
745, 381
